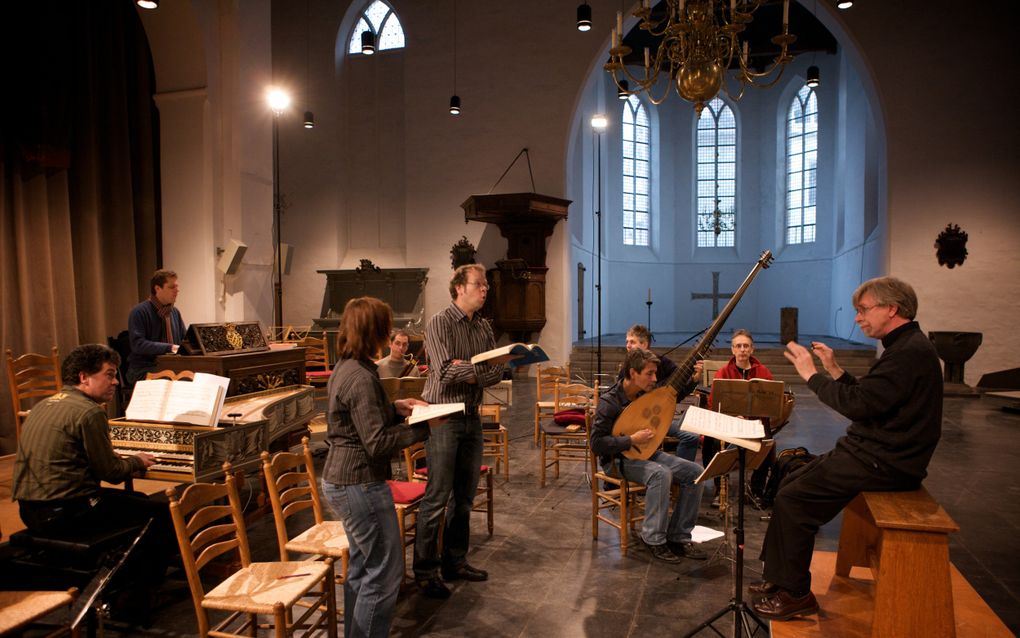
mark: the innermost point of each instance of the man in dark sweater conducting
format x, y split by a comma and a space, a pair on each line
896, 414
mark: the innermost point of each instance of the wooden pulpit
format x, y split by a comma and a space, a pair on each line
516, 302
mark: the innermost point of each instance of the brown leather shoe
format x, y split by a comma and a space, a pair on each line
763, 587
783, 605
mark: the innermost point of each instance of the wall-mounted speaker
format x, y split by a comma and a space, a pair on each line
231, 257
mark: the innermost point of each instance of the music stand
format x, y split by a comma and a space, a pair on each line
724, 462
98, 584
742, 614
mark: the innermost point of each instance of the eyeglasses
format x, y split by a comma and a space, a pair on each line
864, 309
481, 285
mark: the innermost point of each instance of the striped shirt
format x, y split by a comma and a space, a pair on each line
450, 335
65, 450
364, 428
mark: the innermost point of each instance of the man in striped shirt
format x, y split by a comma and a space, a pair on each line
454, 451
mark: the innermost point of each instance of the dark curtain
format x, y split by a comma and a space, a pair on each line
78, 155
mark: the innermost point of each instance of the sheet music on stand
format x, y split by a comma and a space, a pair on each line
752, 398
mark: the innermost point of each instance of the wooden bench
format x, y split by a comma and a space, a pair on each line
903, 537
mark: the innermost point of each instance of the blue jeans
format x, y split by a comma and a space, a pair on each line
454, 452
376, 565
658, 474
687, 442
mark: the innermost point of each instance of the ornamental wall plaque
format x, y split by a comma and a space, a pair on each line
951, 246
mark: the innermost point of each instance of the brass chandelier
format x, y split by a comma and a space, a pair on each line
700, 42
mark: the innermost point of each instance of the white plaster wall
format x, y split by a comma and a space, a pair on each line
952, 140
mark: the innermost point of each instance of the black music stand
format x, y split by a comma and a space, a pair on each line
742, 614
723, 463
90, 598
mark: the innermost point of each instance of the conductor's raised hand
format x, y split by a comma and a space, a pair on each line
801, 359
827, 357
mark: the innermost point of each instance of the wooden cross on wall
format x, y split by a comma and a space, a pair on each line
715, 295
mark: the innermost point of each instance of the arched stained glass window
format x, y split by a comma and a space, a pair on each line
716, 159
801, 167
636, 173
380, 19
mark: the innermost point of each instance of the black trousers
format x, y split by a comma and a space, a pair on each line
809, 498
110, 510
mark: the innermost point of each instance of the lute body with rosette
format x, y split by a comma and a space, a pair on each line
654, 410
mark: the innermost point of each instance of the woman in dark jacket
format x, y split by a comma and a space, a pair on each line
364, 430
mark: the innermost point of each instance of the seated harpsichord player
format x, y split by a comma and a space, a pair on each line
668, 536
394, 364
64, 454
155, 326
896, 421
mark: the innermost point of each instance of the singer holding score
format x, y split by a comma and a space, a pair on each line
365, 429
896, 421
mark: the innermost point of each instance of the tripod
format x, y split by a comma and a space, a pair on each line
742, 614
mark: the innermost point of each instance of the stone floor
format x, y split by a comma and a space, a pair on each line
548, 578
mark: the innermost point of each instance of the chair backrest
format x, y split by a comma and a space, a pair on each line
207, 528
547, 378
708, 369
491, 412
403, 387
290, 481
183, 375
412, 455
31, 377
316, 357
575, 395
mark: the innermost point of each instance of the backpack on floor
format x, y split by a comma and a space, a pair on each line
785, 464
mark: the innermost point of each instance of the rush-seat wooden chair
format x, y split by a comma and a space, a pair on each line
317, 368
418, 471
183, 375
545, 381
206, 528
495, 438
407, 497
31, 377
292, 487
567, 441
610, 493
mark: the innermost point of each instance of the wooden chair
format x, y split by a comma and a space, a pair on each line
567, 442
183, 375
407, 497
496, 439
31, 377
545, 382
611, 492
207, 528
291, 483
403, 387
20, 609
317, 368
418, 471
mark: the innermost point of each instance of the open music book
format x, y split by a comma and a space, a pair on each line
523, 354
421, 413
742, 432
198, 402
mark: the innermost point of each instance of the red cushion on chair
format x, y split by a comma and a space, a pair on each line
573, 416
405, 492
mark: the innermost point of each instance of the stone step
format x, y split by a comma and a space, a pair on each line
583, 360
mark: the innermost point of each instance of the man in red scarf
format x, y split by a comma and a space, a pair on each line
155, 326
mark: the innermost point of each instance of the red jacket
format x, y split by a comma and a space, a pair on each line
731, 371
